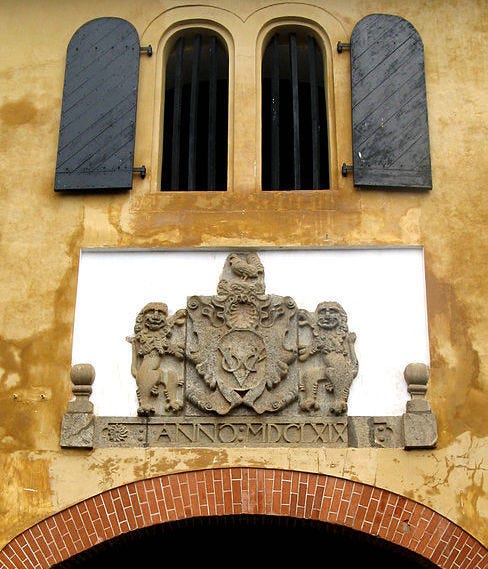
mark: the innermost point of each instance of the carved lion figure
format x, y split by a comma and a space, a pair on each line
332, 350
151, 344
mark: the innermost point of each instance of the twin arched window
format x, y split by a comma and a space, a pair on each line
390, 137
294, 123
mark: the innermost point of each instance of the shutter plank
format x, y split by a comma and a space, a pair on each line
97, 129
389, 106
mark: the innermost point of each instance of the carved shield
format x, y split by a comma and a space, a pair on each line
241, 344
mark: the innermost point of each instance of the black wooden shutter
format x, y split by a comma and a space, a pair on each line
97, 131
389, 106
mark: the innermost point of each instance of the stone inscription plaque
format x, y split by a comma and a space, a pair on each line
244, 431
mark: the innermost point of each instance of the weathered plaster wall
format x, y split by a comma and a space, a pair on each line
42, 233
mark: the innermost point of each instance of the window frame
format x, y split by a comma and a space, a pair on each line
187, 143
324, 47
166, 44
306, 140
244, 40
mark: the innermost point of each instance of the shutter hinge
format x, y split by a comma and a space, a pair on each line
146, 49
346, 168
342, 46
141, 170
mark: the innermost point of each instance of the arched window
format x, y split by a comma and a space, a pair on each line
195, 114
295, 153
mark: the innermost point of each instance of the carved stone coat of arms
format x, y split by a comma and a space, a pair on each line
243, 351
244, 367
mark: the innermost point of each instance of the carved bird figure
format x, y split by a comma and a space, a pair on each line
246, 267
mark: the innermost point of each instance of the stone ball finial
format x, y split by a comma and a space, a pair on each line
416, 374
82, 374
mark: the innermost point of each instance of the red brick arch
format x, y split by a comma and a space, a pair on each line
231, 491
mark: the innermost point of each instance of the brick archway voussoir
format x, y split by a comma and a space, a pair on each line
233, 491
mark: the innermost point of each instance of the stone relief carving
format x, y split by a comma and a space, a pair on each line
330, 351
244, 367
158, 350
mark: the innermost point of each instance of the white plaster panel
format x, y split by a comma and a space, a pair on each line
381, 289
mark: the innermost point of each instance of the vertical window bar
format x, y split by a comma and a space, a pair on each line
296, 112
275, 114
192, 136
175, 143
314, 109
212, 114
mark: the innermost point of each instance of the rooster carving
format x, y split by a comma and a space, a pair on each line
246, 267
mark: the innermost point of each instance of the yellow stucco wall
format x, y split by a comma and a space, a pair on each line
42, 233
